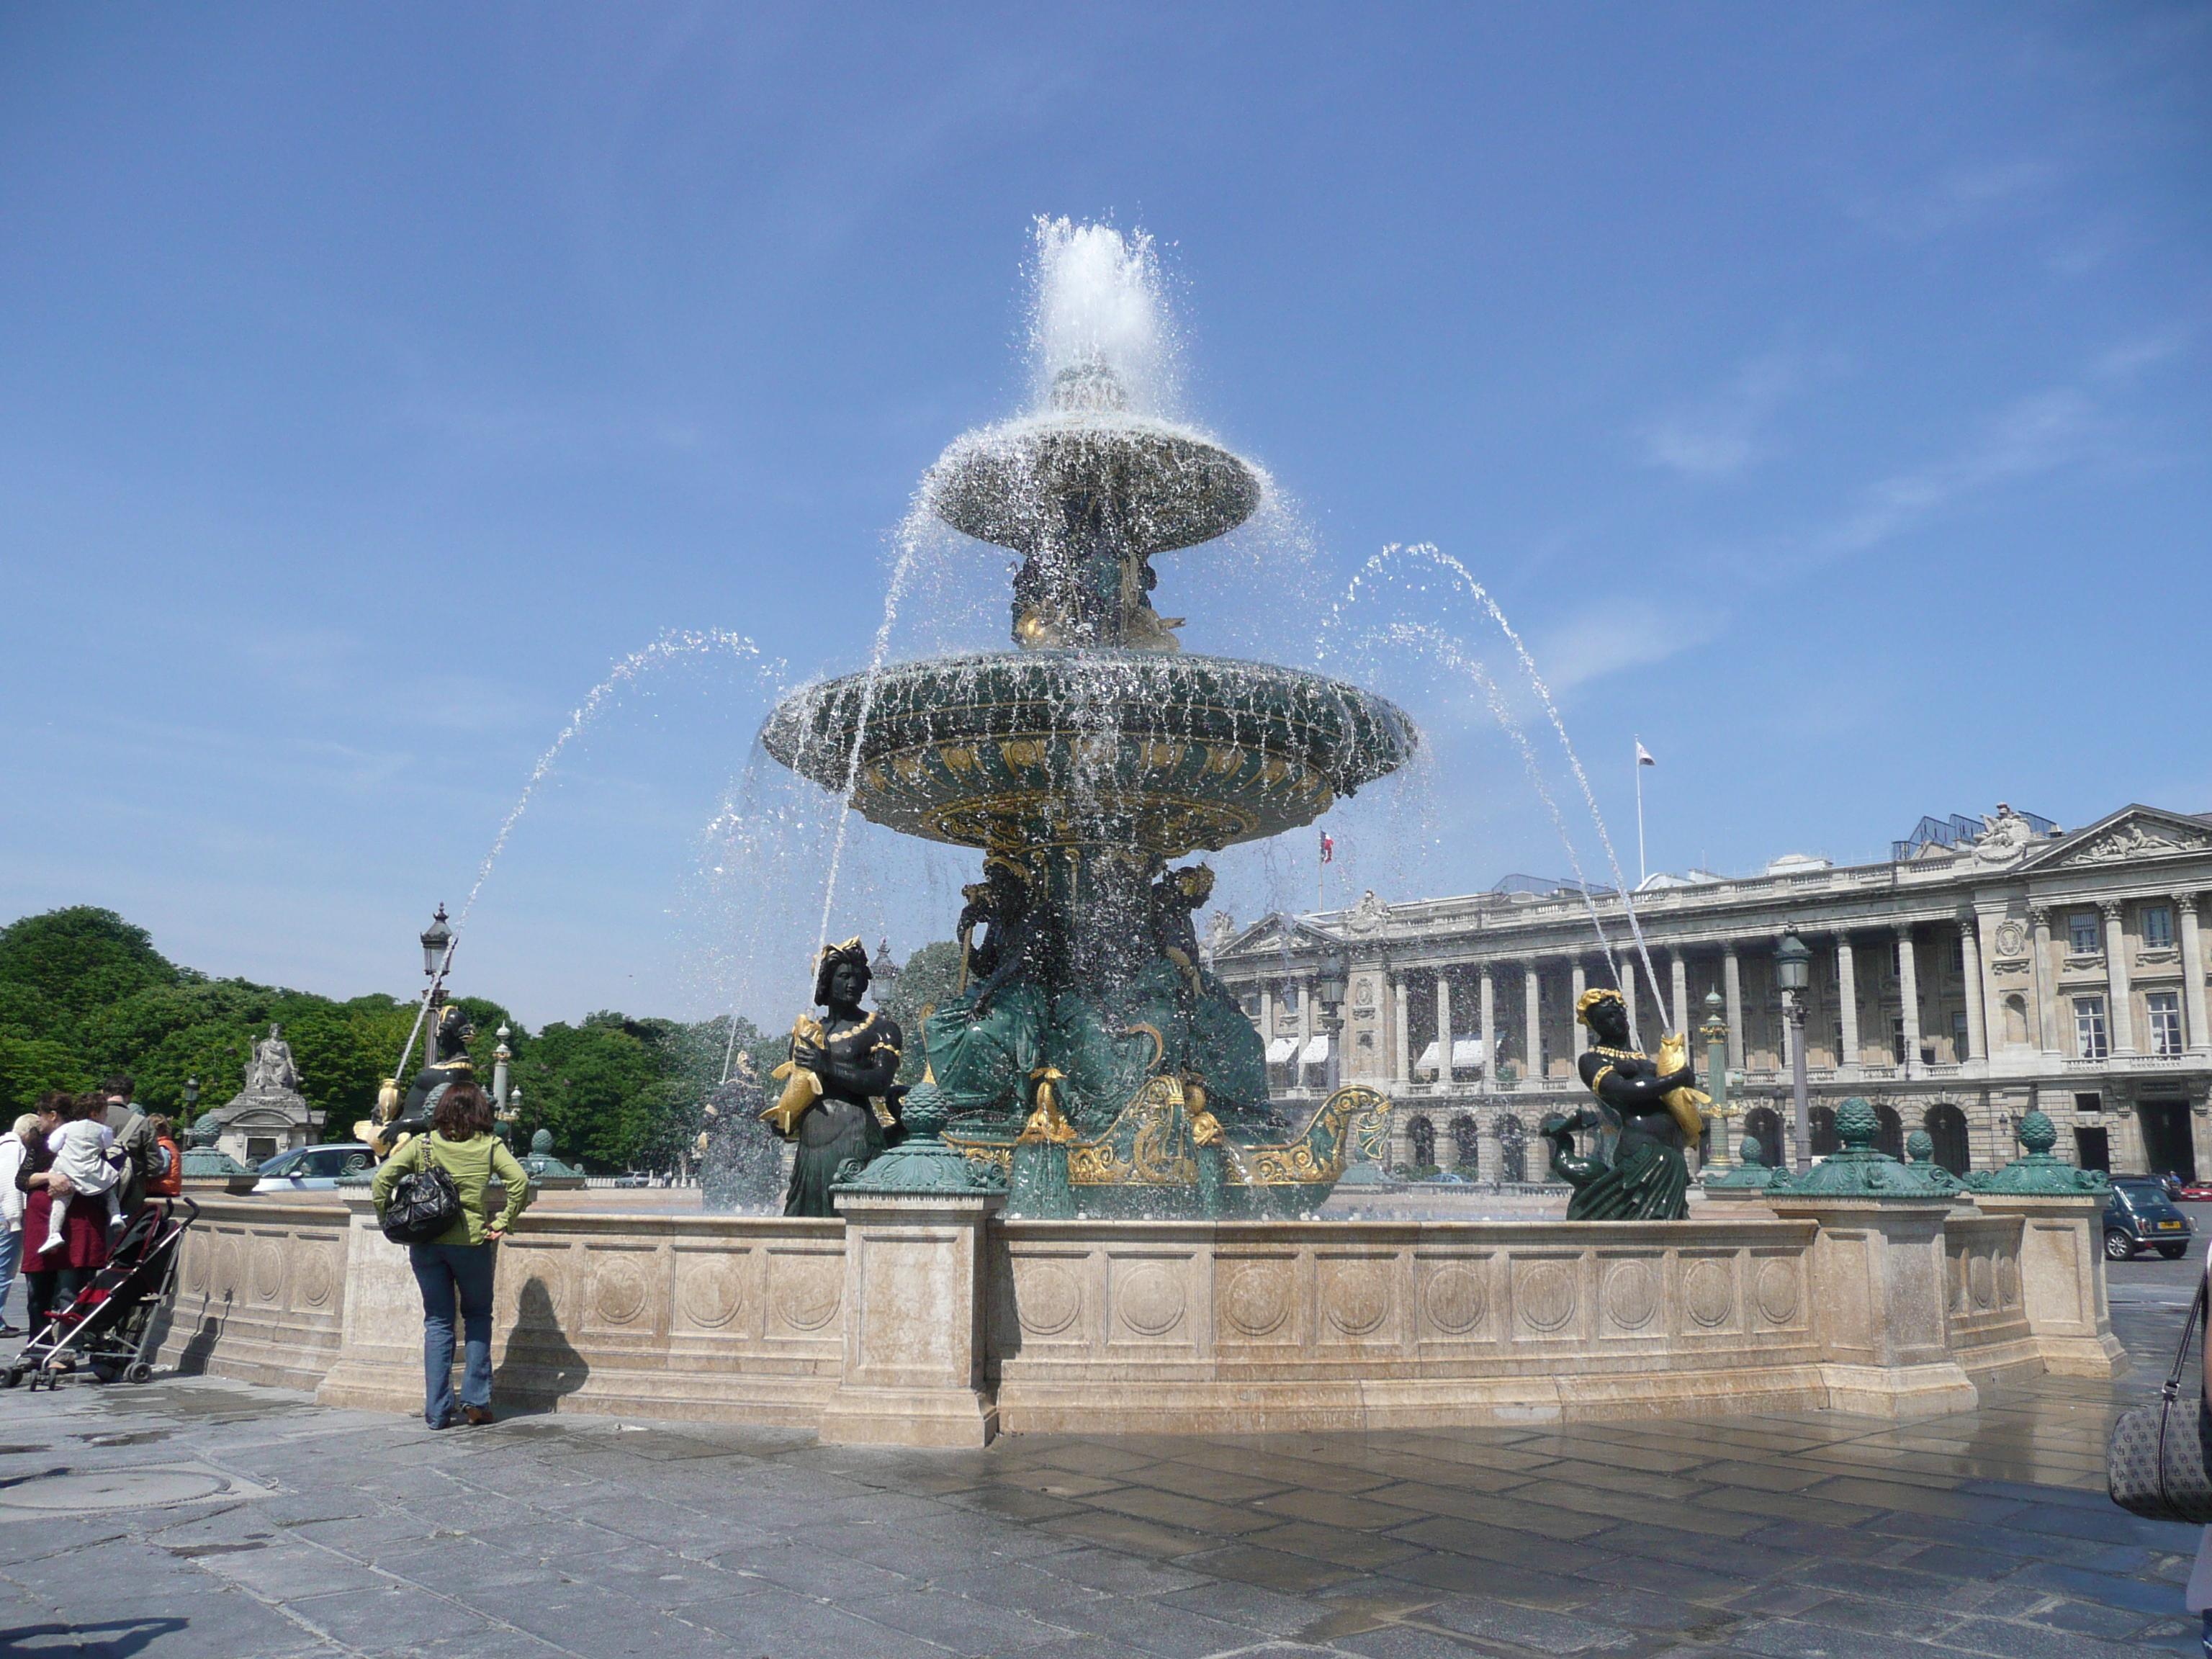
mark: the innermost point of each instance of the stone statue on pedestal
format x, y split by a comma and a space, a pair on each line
740, 1158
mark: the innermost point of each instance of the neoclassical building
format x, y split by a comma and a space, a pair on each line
1985, 970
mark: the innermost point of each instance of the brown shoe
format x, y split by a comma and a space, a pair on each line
478, 1416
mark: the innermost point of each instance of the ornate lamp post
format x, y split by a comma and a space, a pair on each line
500, 1058
437, 950
1714, 1032
191, 1097
1793, 972
1330, 988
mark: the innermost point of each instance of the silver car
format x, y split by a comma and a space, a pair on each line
314, 1169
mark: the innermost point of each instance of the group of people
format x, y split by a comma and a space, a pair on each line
73, 1171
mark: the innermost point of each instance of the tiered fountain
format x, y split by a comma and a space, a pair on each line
1089, 1058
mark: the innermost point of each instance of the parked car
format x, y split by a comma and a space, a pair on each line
632, 1178
2197, 1191
314, 1169
2138, 1214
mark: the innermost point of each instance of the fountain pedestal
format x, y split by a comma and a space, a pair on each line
913, 1321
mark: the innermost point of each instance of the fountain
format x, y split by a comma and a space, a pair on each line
1088, 1059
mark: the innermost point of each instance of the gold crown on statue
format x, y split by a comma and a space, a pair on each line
1590, 999
852, 948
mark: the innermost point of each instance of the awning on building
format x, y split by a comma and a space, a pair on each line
1280, 1050
1317, 1052
1465, 1052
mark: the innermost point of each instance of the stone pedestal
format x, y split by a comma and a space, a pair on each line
379, 1359
2062, 1262
913, 1320
1881, 1303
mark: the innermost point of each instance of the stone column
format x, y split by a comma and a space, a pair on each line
2192, 972
1400, 1061
1879, 1294
1908, 991
1969, 961
1532, 1017
1847, 1001
1628, 998
1305, 1033
1489, 1030
2061, 1280
913, 1321
1679, 971
1267, 1012
2046, 1010
1443, 1027
1576, 984
1732, 984
2122, 1012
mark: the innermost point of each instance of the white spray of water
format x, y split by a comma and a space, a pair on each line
1098, 301
1448, 652
893, 594
1481, 594
674, 643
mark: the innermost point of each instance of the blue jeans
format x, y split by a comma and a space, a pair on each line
449, 1273
11, 1253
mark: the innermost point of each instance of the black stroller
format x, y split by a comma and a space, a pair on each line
113, 1323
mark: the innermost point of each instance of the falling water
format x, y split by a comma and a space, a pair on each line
674, 643
1429, 551
1452, 654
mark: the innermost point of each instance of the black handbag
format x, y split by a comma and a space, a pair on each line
423, 1204
2155, 1462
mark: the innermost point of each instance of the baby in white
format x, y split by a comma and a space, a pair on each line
83, 1152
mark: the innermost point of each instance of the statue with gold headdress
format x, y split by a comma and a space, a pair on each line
839, 1100
1647, 1113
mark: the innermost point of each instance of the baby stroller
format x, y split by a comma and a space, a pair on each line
113, 1324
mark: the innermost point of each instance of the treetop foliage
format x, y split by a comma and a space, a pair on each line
84, 993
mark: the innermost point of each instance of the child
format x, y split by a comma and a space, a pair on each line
83, 1150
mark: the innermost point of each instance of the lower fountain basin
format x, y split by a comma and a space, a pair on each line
1167, 753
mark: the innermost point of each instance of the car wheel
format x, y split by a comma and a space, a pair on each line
2119, 1247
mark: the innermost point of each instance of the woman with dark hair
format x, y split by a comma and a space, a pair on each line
454, 1270
60, 1274
857, 1060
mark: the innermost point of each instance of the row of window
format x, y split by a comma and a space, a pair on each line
2085, 930
2162, 1009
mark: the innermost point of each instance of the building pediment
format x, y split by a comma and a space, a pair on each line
1277, 935
2130, 836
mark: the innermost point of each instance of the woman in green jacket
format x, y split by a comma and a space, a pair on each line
456, 1266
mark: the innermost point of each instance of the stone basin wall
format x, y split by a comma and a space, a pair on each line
934, 1321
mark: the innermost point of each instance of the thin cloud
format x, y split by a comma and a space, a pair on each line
2035, 435
1721, 436
1592, 647
1957, 198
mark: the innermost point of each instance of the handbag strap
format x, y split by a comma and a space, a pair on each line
2173, 1385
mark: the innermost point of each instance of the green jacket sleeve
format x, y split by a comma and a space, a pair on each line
516, 1179
409, 1157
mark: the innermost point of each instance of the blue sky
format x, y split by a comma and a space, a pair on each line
1819, 389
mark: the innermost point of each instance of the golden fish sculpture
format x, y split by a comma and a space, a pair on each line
801, 1087
1688, 1104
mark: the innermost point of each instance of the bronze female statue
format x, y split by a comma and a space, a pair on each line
854, 1057
1650, 1103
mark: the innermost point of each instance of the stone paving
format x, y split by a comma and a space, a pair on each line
195, 1516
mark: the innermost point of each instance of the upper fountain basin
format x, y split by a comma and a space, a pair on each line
1164, 486
1168, 753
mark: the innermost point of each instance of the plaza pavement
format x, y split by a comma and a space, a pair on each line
195, 1516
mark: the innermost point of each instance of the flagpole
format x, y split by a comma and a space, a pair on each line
1641, 873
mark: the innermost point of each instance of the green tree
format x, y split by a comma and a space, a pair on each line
931, 975
80, 958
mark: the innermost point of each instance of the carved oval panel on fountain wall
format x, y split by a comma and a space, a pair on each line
620, 1290
1774, 1289
808, 1289
1544, 1295
1981, 1282
1708, 1293
1631, 1293
268, 1258
1046, 1298
710, 1287
317, 1277
1357, 1299
1150, 1300
1454, 1300
1255, 1300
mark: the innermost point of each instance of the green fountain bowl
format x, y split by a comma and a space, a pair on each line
1168, 753
1169, 487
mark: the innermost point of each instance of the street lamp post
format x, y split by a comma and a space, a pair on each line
1714, 1032
1331, 989
1793, 972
